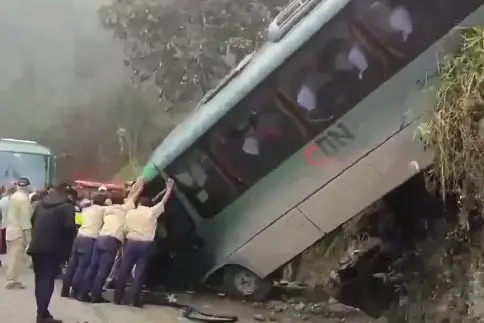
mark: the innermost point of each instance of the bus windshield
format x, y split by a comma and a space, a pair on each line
14, 165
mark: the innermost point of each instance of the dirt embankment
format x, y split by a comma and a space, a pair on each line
403, 260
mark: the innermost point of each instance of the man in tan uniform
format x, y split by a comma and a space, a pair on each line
110, 239
82, 249
140, 227
18, 232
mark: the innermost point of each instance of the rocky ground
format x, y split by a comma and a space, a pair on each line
295, 309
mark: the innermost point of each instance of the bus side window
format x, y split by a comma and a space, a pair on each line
316, 81
404, 28
256, 136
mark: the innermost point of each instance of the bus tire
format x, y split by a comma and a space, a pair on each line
241, 283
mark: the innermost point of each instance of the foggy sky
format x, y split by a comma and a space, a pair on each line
73, 58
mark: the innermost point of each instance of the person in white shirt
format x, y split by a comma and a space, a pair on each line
4, 204
18, 232
140, 227
110, 239
82, 249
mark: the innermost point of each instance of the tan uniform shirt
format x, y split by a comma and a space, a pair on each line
141, 222
19, 216
92, 221
114, 217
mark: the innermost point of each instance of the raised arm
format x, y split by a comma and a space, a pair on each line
157, 197
136, 189
159, 207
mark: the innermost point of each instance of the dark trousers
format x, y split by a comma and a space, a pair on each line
134, 253
78, 264
103, 256
3, 241
46, 267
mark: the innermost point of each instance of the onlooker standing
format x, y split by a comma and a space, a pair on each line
4, 204
53, 227
18, 232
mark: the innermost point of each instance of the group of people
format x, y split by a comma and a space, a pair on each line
115, 236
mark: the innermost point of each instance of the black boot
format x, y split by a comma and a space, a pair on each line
83, 298
111, 284
47, 319
98, 299
136, 300
118, 297
65, 292
74, 293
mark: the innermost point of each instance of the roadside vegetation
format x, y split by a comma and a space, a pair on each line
455, 135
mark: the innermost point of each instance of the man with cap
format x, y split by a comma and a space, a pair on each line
93, 218
18, 232
140, 228
53, 229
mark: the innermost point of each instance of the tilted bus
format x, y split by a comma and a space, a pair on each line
26, 158
304, 134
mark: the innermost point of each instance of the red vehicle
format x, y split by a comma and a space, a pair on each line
88, 188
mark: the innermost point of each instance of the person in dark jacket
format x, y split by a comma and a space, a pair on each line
53, 227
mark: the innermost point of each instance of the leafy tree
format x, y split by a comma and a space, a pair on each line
186, 46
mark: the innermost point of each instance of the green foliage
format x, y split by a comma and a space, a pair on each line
456, 132
186, 46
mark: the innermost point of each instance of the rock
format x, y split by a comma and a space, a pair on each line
339, 309
279, 309
293, 300
315, 309
305, 317
332, 300
300, 307
260, 318
274, 304
283, 283
258, 305
272, 317
333, 275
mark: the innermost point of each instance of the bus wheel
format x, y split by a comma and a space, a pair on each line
241, 283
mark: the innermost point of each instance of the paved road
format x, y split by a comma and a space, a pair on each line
18, 306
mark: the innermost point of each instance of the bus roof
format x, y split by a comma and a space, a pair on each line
268, 58
23, 146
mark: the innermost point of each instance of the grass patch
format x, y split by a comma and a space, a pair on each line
455, 133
